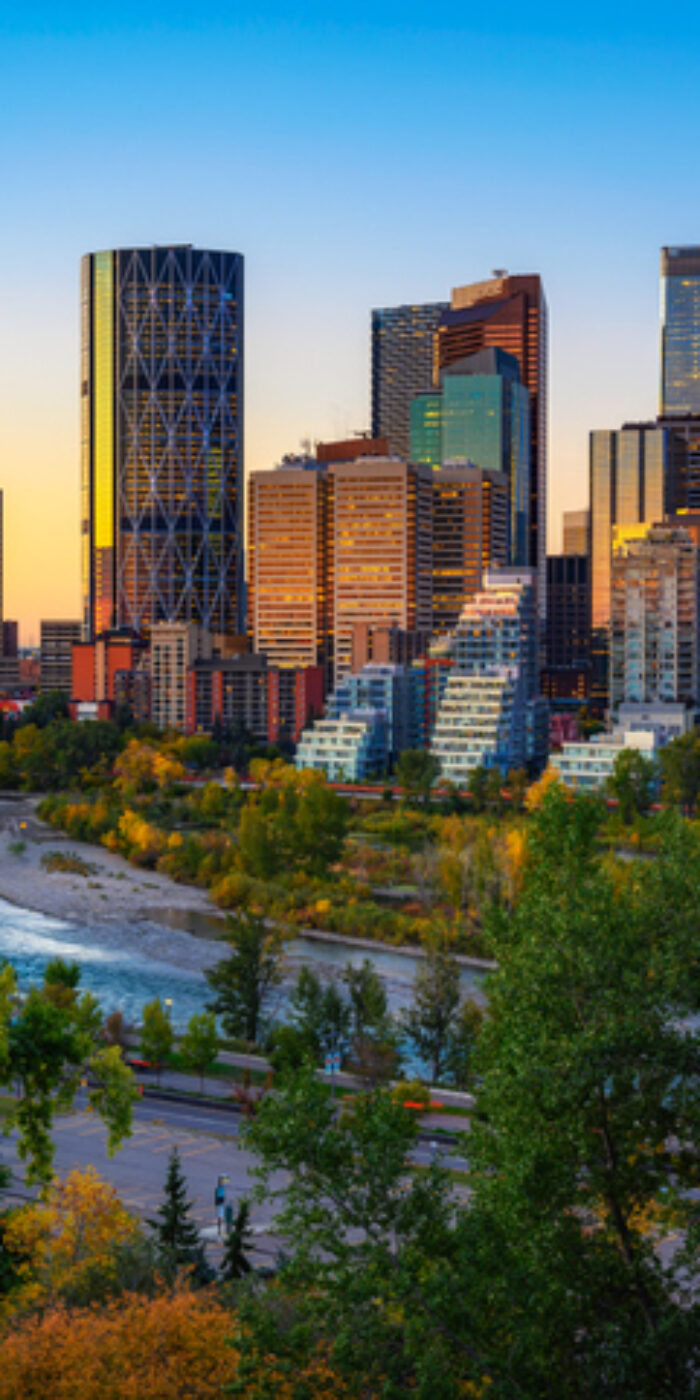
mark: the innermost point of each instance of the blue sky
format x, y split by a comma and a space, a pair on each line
357, 156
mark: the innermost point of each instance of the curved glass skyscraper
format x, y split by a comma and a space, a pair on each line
162, 438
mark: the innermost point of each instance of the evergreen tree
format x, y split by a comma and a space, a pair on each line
235, 1263
177, 1236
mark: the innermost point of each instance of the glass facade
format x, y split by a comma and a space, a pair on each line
402, 367
680, 331
426, 430
162, 434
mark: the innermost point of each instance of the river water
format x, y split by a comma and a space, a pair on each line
124, 980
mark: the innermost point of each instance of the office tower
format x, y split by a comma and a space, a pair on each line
567, 627
175, 646
402, 366
481, 415
57, 638
654, 619
288, 614
2, 578
491, 715
576, 526
470, 534
628, 472
10, 638
162, 439
680, 331
380, 523
509, 313
628, 488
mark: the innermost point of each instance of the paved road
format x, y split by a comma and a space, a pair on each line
209, 1144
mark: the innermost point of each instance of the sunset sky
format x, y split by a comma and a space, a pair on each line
357, 156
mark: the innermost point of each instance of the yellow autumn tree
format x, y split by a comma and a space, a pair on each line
68, 1241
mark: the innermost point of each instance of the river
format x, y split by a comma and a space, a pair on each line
124, 979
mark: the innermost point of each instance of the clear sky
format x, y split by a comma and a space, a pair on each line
358, 156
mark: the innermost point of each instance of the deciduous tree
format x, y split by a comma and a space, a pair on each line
242, 982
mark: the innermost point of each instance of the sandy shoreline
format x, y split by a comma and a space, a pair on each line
123, 906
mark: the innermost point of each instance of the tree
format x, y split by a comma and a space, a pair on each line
416, 771
156, 1034
428, 1021
586, 1137
176, 1234
199, 1044
319, 1013
680, 768
366, 1244
633, 783
478, 785
375, 1055
242, 982
367, 993
461, 1045
235, 1263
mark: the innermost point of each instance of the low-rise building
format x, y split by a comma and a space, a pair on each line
587, 765
351, 748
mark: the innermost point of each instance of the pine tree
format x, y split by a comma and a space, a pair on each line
177, 1235
235, 1263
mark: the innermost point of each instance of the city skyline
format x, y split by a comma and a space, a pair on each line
262, 158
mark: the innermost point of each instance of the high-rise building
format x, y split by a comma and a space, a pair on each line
162, 439
288, 603
567, 628
175, 646
402, 366
470, 535
654, 643
481, 415
576, 527
509, 313
57, 638
680, 331
380, 527
628, 475
628, 488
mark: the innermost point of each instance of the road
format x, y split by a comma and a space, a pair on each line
209, 1144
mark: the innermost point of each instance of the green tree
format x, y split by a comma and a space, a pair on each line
367, 994
633, 783
115, 1094
177, 1237
368, 1247
235, 1263
586, 1139
461, 1045
242, 983
199, 1044
478, 785
429, 1020
416, 772
156, 1034
680, 768
319, 1013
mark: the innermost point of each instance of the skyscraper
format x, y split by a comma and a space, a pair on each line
470, 535
402, 366
680, 331
481, 415
655, 610
380, 546
288, 604
509, 313
162, 438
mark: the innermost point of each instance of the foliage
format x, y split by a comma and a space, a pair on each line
199, 1044
177, 1236
416, 772
242, 982
319, 1013
114, 1095
429, 1020
68, 1244
363, 1241
171, 1347
585, 1144
156, 1033
235, 1263
680, 768
66, 862
633, 784
461, 1045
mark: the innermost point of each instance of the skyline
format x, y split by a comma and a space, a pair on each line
301, 145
